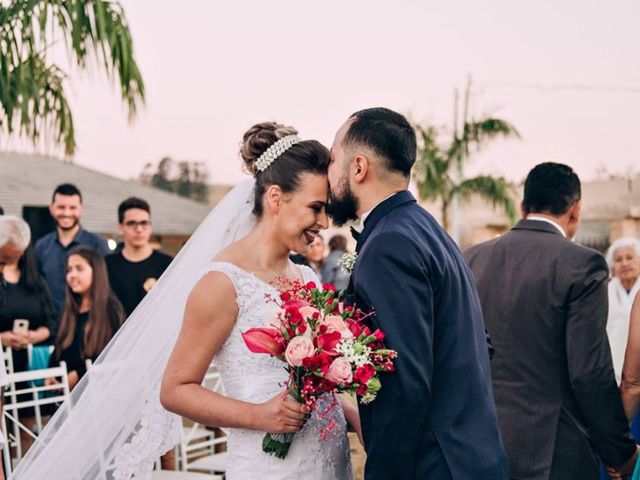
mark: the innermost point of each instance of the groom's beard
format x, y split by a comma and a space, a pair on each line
343, 208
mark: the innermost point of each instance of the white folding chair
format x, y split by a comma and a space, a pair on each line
35, 394
197, 448
8, 359
171, 475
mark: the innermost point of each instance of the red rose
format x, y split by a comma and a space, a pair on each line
328, 342
355, 327
379, 335
363, 374
320, 361
328, 287
310, 286
285, 296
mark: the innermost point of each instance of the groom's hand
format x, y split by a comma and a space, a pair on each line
626, 469
281, 414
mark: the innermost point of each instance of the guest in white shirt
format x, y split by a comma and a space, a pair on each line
623, 258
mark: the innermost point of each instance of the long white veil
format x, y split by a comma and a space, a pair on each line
114, 426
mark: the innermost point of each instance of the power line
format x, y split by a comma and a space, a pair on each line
550, 88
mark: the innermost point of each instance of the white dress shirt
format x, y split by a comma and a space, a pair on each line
540, 218
359, 227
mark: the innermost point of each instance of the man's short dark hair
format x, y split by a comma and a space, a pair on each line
388, 134
132, 202
68, 189
552, 188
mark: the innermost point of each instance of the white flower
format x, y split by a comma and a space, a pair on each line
355, 352
367, 398
347, 262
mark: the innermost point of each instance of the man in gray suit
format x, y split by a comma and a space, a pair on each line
544, 300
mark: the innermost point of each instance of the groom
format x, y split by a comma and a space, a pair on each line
435, 417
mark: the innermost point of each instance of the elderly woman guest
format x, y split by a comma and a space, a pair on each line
26, 298
624, 260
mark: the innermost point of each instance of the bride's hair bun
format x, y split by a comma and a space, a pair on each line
258, 138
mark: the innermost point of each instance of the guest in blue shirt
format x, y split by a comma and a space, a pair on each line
53, 249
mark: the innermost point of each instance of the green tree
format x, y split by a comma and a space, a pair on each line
33, 100
185, 178
439, 165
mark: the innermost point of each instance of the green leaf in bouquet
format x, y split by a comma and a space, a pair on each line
374, 385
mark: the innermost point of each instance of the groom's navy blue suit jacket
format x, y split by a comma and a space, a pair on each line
435, 417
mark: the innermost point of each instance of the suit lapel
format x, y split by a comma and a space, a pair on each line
377, 214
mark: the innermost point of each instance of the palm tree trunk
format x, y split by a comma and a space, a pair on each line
445, 215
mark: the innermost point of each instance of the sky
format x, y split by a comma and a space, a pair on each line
566, 74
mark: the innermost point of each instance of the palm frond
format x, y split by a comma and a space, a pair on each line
496, 190
89, 28
431, 171
478, 133
37, 106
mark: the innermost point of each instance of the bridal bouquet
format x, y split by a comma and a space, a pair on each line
326, 348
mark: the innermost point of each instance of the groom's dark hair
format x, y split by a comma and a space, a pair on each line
552, 188
388, 134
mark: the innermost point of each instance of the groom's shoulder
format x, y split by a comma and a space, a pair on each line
410, 216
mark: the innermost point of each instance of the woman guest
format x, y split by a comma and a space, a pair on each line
624, 261
331, 271
25, 317
314, 256
91, 314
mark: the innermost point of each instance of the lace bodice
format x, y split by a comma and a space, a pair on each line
256, 378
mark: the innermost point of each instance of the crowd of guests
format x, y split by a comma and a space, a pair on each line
69, 291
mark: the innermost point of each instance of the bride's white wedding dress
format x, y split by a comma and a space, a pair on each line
257, 378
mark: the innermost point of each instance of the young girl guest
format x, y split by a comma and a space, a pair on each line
91, 314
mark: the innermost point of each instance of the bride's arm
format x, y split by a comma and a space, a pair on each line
209, 317
351, 413
630, 385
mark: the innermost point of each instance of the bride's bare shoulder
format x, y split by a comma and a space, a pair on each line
216, 280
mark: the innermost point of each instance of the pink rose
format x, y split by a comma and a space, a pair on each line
299, 348
309, 312
340, 372
335, 323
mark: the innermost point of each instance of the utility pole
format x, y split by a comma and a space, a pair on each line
461, 139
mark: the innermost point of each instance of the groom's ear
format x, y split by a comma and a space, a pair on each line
273, 198
360, 168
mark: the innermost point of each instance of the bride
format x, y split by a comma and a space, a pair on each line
289, 204
114, 426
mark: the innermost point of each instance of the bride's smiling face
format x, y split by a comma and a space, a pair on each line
299, 216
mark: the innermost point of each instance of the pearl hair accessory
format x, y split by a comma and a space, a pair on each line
274, 151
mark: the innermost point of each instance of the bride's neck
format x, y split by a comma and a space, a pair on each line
267, 248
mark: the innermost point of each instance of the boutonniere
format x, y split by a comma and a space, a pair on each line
347, 262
